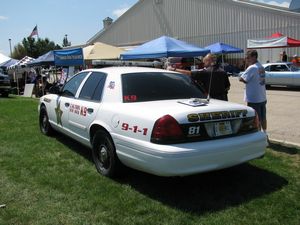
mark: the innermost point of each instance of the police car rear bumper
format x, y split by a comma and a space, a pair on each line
190, 158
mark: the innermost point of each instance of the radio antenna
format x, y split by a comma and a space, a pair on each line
209, 87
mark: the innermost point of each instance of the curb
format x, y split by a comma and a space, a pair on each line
286, 144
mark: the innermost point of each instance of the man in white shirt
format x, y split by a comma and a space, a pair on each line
255, 92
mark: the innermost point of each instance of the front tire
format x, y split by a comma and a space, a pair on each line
45, 125
104, 155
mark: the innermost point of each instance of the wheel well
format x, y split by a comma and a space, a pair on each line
42, 105
94, 129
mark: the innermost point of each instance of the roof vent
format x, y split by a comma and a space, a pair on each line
107, 22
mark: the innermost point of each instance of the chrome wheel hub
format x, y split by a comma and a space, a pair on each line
103, 155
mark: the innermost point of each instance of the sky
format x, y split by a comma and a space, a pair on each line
79, 19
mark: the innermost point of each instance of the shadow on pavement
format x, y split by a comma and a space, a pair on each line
283, 88
282, 148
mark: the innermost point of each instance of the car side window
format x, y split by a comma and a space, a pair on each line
284, 68
274, 68
71, 87
93, 87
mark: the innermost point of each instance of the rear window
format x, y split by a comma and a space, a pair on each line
139, 87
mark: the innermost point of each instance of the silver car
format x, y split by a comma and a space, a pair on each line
282, 73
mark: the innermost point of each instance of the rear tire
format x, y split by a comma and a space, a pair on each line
45, 125
104, 155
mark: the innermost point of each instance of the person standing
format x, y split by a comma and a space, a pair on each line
255, 92
284, 57
213, 79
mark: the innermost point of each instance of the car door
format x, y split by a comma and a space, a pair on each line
280, 75
84, 108
66, 99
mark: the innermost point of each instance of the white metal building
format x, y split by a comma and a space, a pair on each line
203, 22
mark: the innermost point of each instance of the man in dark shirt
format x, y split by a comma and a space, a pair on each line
212, 78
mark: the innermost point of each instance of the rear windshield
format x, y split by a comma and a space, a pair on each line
139, 87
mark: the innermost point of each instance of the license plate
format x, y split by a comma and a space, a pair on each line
222, 128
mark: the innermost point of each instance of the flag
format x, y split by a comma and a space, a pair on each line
34, 32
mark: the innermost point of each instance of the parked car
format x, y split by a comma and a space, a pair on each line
151, 120
282, 73
5, 86
185, 63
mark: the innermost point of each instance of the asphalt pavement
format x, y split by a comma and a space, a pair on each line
283, 112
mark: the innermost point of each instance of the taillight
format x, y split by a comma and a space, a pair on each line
166, 130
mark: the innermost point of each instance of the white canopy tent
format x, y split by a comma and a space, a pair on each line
3, 58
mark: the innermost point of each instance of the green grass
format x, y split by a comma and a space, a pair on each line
52, 180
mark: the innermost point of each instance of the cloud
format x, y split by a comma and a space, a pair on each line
119, 12
285, 4
3, 18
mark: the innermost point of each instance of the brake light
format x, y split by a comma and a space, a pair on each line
166, 130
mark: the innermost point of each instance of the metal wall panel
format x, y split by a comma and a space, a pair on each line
201, 22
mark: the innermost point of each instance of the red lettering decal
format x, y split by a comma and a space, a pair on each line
130, 98
83, 111
125, 126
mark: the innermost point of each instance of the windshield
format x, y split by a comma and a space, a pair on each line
153, 86
293, 67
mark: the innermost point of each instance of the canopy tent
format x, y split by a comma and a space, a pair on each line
46, 59
68, 57
221, 48
22, 63
164, 47
101, 51
3, 58
8, 63
276, 40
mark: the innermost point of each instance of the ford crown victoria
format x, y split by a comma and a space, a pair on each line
151, 120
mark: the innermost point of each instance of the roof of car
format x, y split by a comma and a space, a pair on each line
277, 63
127, 69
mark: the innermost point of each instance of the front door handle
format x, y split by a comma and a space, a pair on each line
67, 104
90, 110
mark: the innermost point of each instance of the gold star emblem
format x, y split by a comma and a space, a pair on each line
59, 113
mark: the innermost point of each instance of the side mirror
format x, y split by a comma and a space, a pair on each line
55, 89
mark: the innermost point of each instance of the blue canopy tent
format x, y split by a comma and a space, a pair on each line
9, 63
64, 57
164, 47
68, 57
46, 59
221, 48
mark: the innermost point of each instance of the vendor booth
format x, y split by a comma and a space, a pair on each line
270, 48
164, 47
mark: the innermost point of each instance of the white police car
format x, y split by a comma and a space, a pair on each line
152, 120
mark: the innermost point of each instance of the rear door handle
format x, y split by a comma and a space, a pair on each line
67, 104
90, 110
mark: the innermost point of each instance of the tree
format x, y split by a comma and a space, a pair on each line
33, 48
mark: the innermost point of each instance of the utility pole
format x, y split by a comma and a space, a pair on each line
10, 46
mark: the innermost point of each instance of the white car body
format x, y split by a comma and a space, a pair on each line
282, 73
130, 126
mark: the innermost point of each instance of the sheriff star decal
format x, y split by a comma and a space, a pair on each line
59, 113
